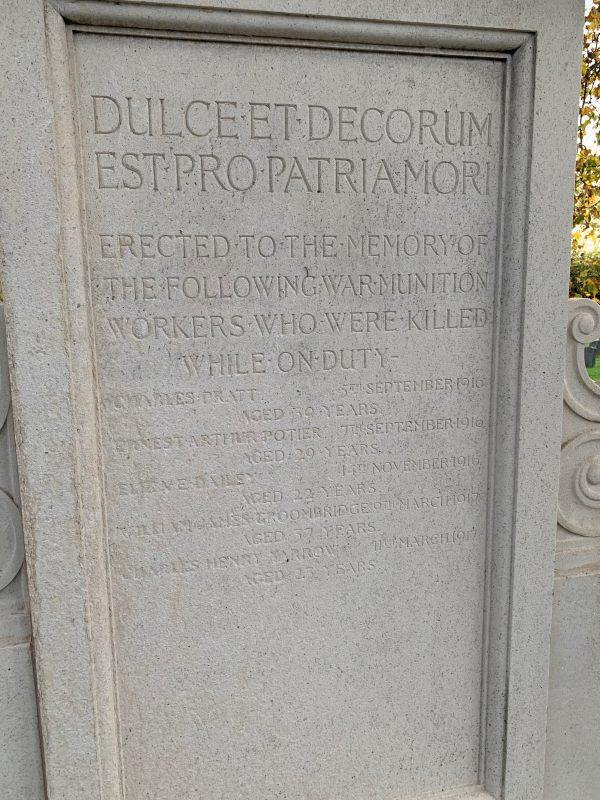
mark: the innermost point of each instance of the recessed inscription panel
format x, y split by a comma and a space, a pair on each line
292, 265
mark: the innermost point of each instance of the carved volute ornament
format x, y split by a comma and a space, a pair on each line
579, 497
11, 530
11, 540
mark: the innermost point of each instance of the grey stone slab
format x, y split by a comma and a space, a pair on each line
572, 764
20, 763
284, 535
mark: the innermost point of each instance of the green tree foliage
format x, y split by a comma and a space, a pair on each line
585, 261
585, 275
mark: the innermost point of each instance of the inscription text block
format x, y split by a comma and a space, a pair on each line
292, 260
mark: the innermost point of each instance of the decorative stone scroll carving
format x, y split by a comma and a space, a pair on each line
11, 540
579, 496
11, 531
582, 395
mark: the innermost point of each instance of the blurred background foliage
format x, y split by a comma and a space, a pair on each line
585, 250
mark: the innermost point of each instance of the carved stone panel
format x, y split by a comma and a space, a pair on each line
292, 267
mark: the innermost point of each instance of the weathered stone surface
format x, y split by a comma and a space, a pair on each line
20, 758
283, 521
20, 762
572, 768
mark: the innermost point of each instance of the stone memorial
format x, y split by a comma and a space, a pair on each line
276, 281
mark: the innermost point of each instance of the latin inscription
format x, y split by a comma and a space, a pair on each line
292, 261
